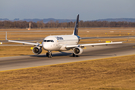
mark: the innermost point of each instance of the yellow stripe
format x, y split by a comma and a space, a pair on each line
64, 63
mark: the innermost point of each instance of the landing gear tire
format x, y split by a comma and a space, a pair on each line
73, 55
49, 54
77, 55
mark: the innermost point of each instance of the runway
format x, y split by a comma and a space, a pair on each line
8, 63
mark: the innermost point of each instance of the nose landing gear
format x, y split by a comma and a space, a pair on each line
49, 54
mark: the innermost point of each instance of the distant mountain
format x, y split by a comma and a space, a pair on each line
16, 19
117, 19
44, 20
3, 19
50, 19
73, 20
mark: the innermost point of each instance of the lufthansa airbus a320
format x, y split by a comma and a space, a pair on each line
61, 43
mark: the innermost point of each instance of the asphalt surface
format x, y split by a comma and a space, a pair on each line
8, 63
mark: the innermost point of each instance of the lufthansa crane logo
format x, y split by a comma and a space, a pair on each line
59, 38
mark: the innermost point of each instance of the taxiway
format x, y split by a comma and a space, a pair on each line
8, 63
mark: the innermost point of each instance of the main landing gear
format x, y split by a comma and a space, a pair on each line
49, 54
73, 55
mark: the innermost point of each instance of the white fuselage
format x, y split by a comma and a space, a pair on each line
58, 43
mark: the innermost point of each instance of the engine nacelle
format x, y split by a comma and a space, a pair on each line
77, 50
37, 50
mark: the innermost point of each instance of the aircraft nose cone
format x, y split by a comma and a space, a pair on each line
47, 46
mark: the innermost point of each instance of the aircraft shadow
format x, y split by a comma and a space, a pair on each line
53, 54
70, 54
99, 55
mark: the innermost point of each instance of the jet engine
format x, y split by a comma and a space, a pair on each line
37, 50
77, 50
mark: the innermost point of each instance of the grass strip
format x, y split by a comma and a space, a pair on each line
117, 73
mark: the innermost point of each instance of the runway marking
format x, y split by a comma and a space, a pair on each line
63, 63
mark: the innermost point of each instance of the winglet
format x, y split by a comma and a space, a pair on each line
6, 36
76, 26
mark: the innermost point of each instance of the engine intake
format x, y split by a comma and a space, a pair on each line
37, 50
77, 50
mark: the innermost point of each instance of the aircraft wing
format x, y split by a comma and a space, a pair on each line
30, 43
93, 44
105, 37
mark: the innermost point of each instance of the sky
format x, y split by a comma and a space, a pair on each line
67, 9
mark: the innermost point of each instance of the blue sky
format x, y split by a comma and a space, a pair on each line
67, 9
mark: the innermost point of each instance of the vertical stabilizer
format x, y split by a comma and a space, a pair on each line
76, 26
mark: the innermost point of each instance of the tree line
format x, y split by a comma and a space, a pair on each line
56, 24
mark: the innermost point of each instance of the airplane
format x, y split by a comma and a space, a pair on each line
61, 43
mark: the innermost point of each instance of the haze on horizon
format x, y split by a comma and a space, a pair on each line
67, 9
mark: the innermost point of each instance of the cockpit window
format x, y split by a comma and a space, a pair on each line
48, 41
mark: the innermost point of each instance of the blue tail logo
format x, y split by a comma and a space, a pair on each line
76, 26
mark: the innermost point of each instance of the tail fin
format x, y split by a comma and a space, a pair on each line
76, 26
